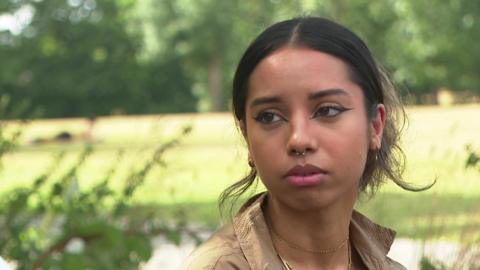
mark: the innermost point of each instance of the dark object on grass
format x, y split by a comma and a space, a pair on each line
64, 136
473, 157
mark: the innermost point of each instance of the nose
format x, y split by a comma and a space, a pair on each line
301, 140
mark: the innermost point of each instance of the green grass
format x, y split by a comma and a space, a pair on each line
213, 156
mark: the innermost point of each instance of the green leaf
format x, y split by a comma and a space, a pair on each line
73, 262
57, 189
140, 246
174, 236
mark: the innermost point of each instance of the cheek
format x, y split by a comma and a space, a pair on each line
261, 146
350, 150
267, 151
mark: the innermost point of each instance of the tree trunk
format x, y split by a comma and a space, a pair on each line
215, 83
339, 9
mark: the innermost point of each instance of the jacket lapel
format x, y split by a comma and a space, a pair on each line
254, 237
371, 241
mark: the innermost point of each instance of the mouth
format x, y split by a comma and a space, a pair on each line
307, 175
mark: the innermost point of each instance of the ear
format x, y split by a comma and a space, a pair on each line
377, 124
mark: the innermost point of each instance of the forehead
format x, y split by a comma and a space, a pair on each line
298, 69
301, 56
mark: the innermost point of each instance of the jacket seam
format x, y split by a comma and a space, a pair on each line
222, 256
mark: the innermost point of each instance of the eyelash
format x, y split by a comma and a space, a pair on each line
339, 110
260, 117
320, 112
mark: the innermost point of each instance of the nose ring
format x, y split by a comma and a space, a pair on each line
296, 153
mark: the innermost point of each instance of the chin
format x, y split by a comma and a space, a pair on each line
310, 202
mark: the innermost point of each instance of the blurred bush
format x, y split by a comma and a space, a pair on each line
58, 224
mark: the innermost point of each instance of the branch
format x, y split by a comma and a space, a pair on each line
57, 247
60, 247
62, 244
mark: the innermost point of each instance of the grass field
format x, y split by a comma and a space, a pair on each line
213, 156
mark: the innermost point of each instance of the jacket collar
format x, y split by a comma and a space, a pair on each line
371, 241
254, 236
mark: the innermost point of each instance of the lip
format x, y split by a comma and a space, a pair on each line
307, 175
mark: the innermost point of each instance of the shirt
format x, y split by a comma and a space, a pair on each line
246, 244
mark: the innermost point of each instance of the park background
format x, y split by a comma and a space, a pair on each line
115, 127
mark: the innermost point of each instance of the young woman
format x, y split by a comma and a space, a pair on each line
320, 120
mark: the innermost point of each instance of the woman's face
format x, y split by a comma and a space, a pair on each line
306, 128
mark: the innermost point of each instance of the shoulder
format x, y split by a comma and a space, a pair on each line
221, 251
242, 244
394, 265
222, 261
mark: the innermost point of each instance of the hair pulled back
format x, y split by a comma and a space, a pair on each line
326, 36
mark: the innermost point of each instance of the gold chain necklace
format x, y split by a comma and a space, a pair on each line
318, 251
289, 267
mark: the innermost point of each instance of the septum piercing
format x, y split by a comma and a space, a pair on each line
296, 153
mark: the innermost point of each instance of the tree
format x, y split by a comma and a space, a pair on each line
81, 58
422, 42
209, 36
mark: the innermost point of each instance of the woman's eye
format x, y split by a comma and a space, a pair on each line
267, 118
329, 111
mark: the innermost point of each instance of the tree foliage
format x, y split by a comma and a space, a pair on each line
80, 58
421, 43
91, 57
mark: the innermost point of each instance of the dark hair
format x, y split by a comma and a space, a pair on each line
323, 35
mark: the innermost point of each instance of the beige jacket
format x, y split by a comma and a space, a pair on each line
246, 243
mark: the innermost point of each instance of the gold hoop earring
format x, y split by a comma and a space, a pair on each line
250, 163
378, 146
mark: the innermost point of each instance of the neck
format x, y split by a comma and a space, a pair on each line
315, 238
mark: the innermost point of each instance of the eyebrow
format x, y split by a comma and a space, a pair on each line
312, 96
328, 92
265, 100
